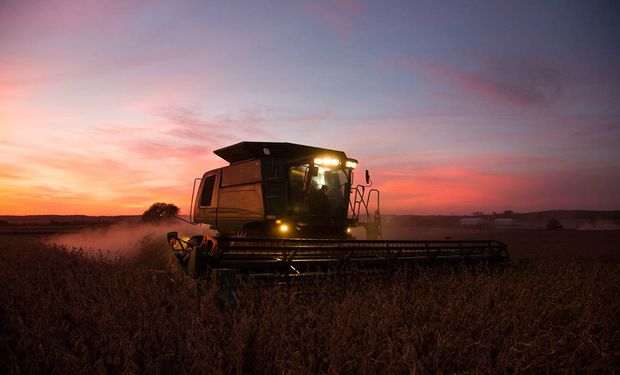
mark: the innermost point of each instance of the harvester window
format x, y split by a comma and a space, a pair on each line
207, 191
325, 194
297, 177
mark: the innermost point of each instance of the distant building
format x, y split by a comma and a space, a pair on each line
599, 225
504, 222
471, 221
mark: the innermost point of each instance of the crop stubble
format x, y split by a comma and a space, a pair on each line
63, 312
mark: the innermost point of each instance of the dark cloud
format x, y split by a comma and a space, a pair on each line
523, 84
594, 130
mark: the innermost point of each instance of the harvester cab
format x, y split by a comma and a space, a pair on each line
276, 190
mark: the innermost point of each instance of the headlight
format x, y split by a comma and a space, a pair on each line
283, 228
350, 164
328, 162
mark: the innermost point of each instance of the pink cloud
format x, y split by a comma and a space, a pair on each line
18, 75
337, 14
11, 90
62, 15
182, 133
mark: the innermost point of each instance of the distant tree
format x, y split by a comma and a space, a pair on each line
554, 224
160, 211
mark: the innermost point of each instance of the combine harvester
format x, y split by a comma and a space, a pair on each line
284, 209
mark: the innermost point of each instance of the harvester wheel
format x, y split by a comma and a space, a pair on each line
177, 274
173, 267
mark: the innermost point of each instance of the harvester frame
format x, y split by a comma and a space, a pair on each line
287, 209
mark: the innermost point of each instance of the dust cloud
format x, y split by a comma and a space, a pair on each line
124, 240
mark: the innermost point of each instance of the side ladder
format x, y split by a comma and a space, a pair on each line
361, 213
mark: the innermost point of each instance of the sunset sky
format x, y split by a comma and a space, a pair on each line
109, 106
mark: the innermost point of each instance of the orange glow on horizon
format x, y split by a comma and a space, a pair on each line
439, 190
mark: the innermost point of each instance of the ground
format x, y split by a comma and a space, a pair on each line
63, 312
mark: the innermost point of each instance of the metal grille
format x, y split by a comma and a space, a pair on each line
258, 252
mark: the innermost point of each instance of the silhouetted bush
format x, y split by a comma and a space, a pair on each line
160, 211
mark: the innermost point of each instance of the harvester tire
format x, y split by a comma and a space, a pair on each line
173, 267
177, 274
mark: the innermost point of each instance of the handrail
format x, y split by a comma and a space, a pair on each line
191, 203
361, 199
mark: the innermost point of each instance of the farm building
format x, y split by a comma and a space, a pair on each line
504, 222
471, 221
